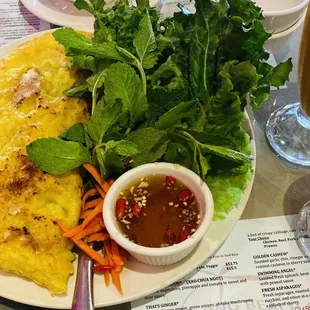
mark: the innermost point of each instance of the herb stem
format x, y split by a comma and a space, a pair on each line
142, 73
187, 136
134, 61
94, 95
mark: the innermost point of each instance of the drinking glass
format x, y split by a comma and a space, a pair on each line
288, 128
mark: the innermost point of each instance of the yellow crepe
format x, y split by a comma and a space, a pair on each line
32, 105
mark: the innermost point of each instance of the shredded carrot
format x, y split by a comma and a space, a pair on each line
93, 228
106, 278
84, 247
117, 281
115, 254
98, 237
70, 233
85, 213
92, 204
94, 212
89, 193
94, 172
108, 251
100, 191
124, 255
88, 231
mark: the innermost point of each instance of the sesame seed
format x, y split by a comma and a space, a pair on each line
185, 203
132, 189
164, 208
121, 193
130, 215
198, 222
180, 215
143, 197
145, 192
128, 227
125, 222
168, 187
144, 214
176, 205
183, 212
127, 202
198, 216
193, 230
170, 203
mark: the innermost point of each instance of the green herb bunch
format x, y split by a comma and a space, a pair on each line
171, 90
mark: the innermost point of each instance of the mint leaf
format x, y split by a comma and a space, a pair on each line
102, 33
98, 82
152, 144
122, 147
76, 91
75, 133
77, 44
103, 118
226, 153
122, 82
145, 43
182, 111
203, 164
56, 156
83, 5
98, 5
178, 153
109, 155
84, 62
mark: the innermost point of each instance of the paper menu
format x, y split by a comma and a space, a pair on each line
16, 21
259, 267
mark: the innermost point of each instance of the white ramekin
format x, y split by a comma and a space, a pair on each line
277, 40
174, 253
281, 14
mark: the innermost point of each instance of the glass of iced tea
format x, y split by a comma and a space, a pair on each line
288, 128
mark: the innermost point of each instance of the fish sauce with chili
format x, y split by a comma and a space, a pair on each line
157, 211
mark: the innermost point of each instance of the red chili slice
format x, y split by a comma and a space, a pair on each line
170, 180
184, 234
120, 208
185, 195
136, 210
101, 268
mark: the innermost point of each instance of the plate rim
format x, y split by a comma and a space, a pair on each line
9, 48
45, 13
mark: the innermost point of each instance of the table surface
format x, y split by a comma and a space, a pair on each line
278, 188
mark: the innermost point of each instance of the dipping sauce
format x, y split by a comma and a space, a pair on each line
157, 211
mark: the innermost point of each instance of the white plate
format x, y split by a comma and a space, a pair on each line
61, 13
138, 279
